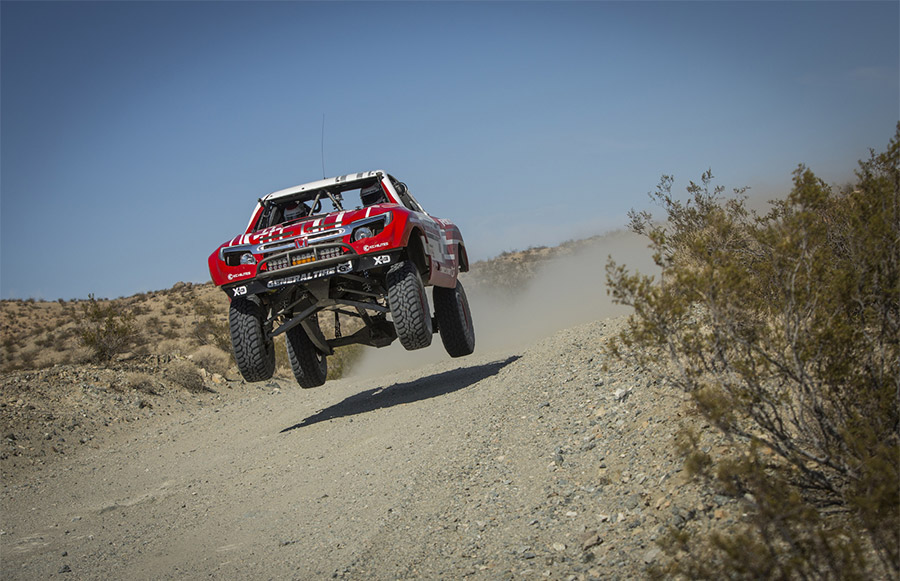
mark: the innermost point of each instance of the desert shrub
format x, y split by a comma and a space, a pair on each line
139, 381
173, 346
185, 374
343, 360
785, 329
47, 358
210, 330
212, 359
9, 344
27, 359
106, 329
170, 333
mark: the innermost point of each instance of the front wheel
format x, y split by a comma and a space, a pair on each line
409, 306
254, 352
310, 366
451, 309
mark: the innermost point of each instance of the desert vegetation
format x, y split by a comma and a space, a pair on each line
109, 332
188, 323
785, 330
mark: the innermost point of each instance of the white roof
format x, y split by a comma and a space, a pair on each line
352, 177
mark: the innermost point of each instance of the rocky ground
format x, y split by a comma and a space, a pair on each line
536, 462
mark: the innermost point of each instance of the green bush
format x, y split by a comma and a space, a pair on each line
784, 328
106, 329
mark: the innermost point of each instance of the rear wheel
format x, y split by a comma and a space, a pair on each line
409, 306
451, 309
309, 365
254, 352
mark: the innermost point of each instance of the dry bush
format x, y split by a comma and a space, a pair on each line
343, 360
49, 358
107, 328
785, 329
212, 328
212, 359
173, 346
185, 374
139, 381
27, 358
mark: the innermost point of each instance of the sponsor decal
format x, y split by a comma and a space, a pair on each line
345, 267
368, 247
235, 275
306, 276
240, 291
386, 259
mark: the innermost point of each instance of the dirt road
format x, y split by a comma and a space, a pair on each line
533, 463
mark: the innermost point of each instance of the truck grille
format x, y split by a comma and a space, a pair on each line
303, 256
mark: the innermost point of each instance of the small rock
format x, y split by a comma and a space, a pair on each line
65, 569
559, 547
590, 539
622, 394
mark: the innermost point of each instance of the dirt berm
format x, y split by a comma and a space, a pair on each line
523, 463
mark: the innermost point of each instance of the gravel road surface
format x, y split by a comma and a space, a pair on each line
526, 463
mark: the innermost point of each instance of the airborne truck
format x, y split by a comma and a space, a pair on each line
359, 245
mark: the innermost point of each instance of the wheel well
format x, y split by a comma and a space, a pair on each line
415, 251
463, 258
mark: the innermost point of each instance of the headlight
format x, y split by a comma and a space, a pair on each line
247, 258
362, 232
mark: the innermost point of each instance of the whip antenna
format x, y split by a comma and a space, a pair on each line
323, 146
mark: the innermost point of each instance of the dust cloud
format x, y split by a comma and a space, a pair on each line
565, 292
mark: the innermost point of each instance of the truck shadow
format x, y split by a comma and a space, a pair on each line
401, 393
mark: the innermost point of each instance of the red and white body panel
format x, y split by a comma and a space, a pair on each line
441, 239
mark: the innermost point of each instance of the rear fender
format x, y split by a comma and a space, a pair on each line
463, 258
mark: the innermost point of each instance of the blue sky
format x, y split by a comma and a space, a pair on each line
135, 137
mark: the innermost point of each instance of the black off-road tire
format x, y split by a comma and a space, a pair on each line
409, 306
253, 352
309, 365
451, 309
